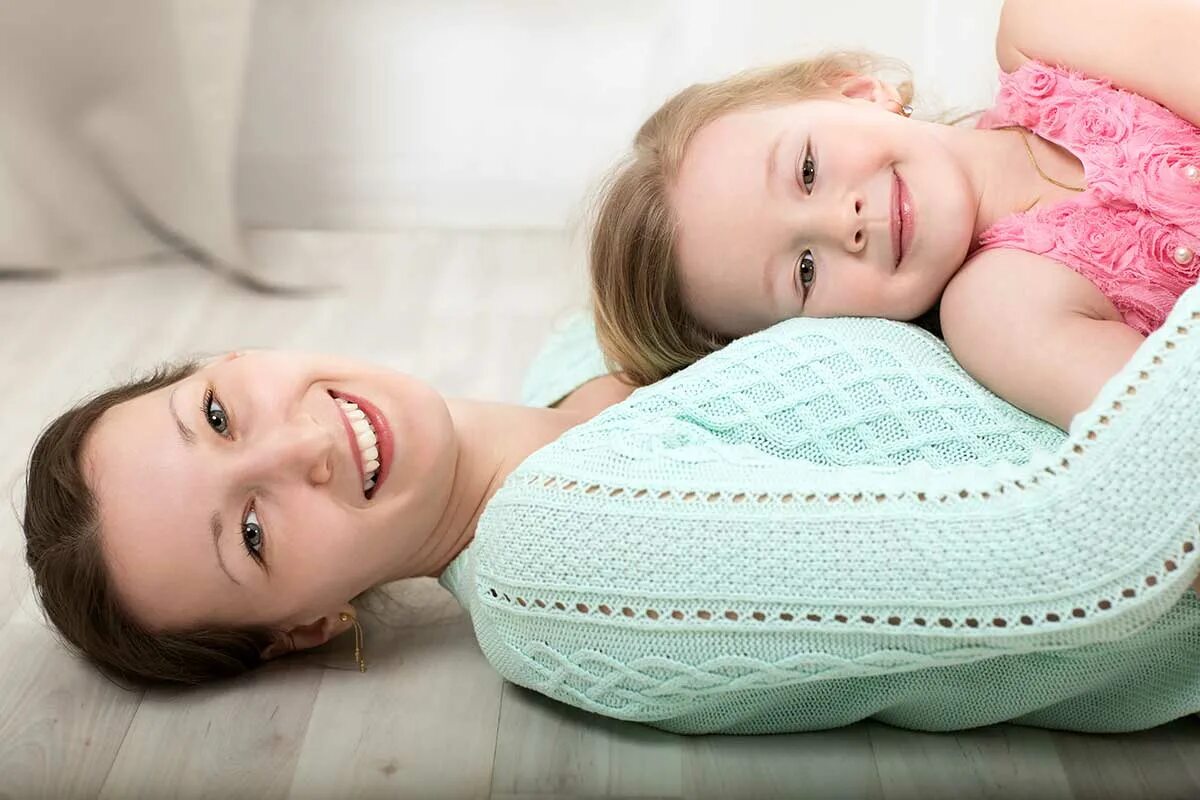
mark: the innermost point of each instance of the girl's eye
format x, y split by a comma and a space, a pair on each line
806, 271
252, 535
808, 171
214, 414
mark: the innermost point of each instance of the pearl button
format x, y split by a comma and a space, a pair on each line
1183, 255
1192, 172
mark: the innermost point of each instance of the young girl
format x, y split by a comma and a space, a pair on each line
1055, 235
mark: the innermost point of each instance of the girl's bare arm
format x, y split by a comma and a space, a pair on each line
1147, 46
1030, 330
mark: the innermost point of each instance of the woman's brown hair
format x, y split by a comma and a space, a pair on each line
74, 587
641, 322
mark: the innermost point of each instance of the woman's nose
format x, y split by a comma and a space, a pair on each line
301, 448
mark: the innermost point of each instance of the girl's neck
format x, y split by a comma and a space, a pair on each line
493, 438
1001, 177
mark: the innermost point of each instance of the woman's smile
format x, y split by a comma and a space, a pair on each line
370, 439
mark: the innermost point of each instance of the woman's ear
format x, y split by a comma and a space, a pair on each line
313, 634
221, 358
867, 87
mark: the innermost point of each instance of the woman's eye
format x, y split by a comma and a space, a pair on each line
808, 171
215, 415
252, 534
806, 270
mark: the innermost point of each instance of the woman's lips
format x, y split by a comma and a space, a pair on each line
383, 438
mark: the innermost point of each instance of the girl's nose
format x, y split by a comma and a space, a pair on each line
841, 223
853, 228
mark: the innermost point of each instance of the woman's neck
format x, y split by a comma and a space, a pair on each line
493, 438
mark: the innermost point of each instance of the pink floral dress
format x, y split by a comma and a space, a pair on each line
1135, 231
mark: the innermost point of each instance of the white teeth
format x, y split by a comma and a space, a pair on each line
367, 441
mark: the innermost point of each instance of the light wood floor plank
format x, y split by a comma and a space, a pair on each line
548, 749
1149, 765
60, 725
242, 736
1000, 761
825, 764
420, 723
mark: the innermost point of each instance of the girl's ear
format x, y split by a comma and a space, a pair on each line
871, 89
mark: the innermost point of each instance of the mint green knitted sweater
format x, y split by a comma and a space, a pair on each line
829, 520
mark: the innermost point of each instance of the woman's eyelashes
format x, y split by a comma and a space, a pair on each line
252, 535
215, 414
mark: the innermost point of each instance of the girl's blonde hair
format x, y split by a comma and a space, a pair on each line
641, 322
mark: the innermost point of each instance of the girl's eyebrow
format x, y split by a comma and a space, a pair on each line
772, 157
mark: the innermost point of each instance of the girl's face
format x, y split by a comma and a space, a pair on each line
237, 496
818, 208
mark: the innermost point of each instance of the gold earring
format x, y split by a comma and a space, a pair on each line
358, 640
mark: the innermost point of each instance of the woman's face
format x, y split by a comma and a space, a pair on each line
236, 496
818, 208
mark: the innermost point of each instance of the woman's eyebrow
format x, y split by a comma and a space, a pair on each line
185, 433
216, 527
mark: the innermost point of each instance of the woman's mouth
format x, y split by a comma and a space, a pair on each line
370, 440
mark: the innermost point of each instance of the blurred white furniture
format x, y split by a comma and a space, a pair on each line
118, 125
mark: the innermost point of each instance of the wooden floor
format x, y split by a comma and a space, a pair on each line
430, 719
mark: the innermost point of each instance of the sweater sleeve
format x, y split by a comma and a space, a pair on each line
831, 499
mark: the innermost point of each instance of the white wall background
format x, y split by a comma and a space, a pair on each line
505, 113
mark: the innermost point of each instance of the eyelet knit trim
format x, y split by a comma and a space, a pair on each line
795, 616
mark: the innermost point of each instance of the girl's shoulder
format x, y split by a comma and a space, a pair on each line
1089, 114
993, 279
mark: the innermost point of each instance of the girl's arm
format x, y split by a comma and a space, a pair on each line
1026, 332
1148, 47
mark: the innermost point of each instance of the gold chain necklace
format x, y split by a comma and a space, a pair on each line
1033, 160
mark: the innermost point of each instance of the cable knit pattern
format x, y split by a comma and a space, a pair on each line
829, 520
1140, 205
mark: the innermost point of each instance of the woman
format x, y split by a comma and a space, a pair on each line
826, 521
